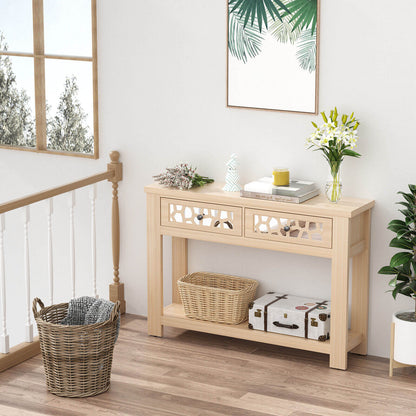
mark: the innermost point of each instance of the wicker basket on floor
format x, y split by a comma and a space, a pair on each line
78, 358
217, 297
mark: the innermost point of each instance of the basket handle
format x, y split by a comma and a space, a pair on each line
115, 312
34, 306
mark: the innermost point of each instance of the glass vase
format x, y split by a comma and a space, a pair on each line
333, 187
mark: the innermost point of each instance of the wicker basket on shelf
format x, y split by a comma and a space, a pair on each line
77, 359
217, 297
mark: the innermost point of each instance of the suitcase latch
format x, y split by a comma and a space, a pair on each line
314, 322
323, 316
257, 314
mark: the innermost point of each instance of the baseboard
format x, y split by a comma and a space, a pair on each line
19, 353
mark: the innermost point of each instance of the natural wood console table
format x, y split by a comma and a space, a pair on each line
316, 228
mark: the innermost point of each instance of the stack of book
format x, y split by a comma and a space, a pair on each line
296, 192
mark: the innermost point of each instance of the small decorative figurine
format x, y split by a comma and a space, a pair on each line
232, 178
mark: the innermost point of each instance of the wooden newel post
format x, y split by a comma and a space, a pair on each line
116, 288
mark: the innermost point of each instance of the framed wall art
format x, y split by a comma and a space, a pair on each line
273, 54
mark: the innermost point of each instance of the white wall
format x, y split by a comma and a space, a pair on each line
162, 100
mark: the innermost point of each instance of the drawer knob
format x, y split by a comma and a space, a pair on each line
200, 217
286, 228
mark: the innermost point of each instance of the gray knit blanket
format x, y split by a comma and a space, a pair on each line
87, 310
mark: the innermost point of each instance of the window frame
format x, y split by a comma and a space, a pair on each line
39, 58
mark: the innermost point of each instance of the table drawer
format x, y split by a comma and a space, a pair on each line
290, 228
201, 216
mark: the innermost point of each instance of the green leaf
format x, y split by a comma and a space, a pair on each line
406, 291
410, 198
387, 270
412, 285
399, 288
283, 31
412, 189
403, 277
405, 269
405, 204
349, 152
243, 42
306, 51
254, 11
400, 258
409, 221
407, 213
404, 232
396, 225
401, 243
261, 15
393, 282
304, 14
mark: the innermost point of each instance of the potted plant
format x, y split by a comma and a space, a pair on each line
335, 138
403, 269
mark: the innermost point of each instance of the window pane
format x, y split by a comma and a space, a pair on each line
16, 25
68, 27
69, 99
17, 103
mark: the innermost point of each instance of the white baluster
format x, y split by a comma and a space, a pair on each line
93, 197
4, 337
49, 207
29, 326
72, 240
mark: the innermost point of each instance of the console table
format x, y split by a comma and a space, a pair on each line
316, 228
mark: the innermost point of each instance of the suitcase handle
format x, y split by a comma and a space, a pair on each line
293, 326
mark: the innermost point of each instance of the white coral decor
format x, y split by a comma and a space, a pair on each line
232, 178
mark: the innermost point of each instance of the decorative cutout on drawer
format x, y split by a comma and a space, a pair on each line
201, 216
289, 228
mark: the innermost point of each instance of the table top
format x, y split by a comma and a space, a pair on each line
213, 193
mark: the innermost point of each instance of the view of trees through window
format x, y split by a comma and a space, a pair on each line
17, 121
56, 113
67, 129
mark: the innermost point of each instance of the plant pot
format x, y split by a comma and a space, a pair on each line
404, 340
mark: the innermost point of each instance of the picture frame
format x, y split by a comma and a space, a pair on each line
257, 45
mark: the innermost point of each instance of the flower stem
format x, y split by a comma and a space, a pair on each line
336, 188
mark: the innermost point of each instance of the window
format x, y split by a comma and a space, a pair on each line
48, 76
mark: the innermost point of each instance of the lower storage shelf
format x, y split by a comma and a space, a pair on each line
174, 315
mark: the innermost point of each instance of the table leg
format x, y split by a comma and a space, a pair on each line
154, 267
360, 287
179, 264
339, 294
391, 366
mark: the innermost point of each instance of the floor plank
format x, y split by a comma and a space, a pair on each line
192, 374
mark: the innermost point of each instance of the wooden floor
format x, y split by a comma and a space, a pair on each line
192, 374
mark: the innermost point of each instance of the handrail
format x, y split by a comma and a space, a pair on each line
49, 193
114, 174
